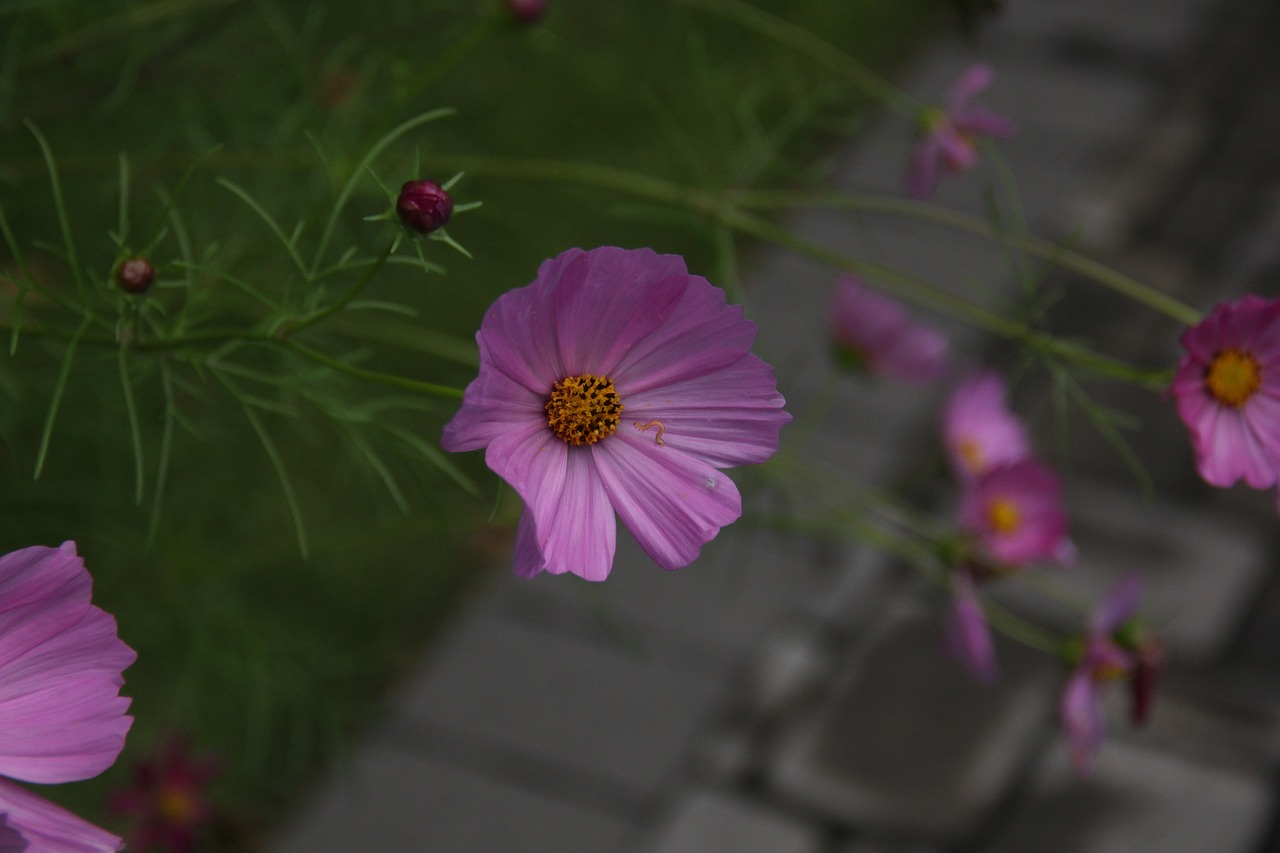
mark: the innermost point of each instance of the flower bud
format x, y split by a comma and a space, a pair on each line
423, 206
135, 274
527, 11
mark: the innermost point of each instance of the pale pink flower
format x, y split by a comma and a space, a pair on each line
617, 383
1227, 391
1015, 515
949, 133
873, 331
1115, 648
968, 634
978, 430
61, 715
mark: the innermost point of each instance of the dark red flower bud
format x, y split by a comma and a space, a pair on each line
1146, 678
135, 274
527, 11
423, 206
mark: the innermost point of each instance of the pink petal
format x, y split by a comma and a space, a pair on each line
703, 335
1081, 715
49, 828
671, 502
1227, 450
61, 715
979, 121
1120, 604
968, 634
971, 81
518, 334
955, 151
922, 172
918, 354
608, 300
492, 405
572, 523
728, 417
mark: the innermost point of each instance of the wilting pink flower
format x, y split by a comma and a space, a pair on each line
979, 431
949, 133
873, 331
617, 383
968, 634
61, 715
1227, 391
1015, 515
167, 799
1114, 648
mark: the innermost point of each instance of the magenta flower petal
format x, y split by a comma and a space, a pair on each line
968, 634
1121, 603
1227, 392
671, 502
617, 383
47, 827
979, 121
1015, 513
975, 79
877, 331
1081, 714
572, 521
922, 171
61, 715
979, 431
956, 151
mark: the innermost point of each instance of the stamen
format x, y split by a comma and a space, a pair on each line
1232, 377
650, 425
583, 409
1003, 515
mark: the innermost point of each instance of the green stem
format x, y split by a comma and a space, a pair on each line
342, 301
816, 48
1040, 248
372, 375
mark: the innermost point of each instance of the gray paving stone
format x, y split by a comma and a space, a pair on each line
702, 619
908, 744
1137, 799
1163, 27
583, 709
1202, 569
387, 800
708, 821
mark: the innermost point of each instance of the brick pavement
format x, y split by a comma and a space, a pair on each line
788, 696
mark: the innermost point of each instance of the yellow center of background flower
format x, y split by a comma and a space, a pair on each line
1233, 377
583, 409
1003, 515
176, 806
970, 453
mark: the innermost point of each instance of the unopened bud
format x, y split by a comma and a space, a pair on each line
423, 206
527, 11
135, 274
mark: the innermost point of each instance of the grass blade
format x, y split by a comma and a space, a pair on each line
56, 401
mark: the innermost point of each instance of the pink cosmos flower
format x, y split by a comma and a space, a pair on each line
167, 799
979, 431
873, 331
968, 634
1114, 648
948, 133
617, 383
61, 715
1015, 515
1227, 391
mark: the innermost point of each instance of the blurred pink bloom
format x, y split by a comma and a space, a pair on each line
617, 383
1015, 515
527, 11
949, 133
873, 331
167, 799
1113, 649
979, 431
1227, 391
61, 715
968, 634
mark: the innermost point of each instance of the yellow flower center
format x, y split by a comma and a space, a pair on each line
176, 806
1003, 515
583, 409
1232, 377
970, 453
